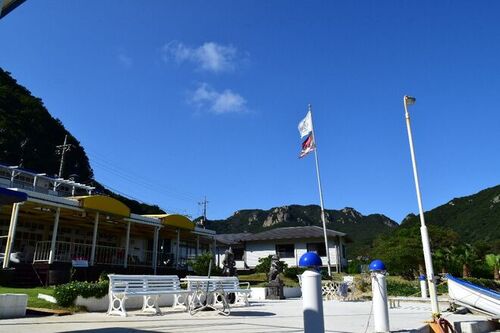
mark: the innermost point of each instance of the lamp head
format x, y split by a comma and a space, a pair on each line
409, 100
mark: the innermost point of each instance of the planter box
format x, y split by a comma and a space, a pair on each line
292, 292
259, 293
13, 305
101, 304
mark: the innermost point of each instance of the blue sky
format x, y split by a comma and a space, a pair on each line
177, 100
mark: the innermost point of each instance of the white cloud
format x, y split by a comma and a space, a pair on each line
210, 56
227, 101
125, 60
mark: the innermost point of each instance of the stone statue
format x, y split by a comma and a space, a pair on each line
228, 263
274, 270
274, 289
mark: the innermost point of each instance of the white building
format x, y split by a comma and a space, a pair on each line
288, 243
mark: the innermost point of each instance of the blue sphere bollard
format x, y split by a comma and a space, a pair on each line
379, 296
311, 293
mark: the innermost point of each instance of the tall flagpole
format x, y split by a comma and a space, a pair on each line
423, 228
309, 107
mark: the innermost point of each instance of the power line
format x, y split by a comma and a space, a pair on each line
139, 180
172, 209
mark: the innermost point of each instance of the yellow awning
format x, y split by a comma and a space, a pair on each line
174, 220
105, 204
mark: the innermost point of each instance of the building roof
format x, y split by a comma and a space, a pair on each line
279, 233
230, 239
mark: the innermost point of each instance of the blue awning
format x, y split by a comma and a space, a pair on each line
8, 196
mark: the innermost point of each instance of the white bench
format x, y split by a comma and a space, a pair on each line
219, 286
150, 287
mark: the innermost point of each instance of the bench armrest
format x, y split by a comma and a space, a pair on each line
245, 283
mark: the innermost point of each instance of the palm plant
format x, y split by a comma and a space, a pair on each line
465, 255
493, 261
443, 258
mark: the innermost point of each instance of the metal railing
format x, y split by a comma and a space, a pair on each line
105, 255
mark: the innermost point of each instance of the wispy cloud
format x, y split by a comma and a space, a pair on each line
210, 56
125, 60
227, 101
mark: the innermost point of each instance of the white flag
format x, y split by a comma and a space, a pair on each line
306, 126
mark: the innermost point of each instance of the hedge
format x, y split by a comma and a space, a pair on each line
66, 294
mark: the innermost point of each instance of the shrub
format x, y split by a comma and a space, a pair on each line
201, 264
292, 272
395, 288
65, 294
487, 283
265, 265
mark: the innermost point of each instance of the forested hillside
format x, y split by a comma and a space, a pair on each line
29, 136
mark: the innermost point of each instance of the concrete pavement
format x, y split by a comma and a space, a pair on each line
261, 316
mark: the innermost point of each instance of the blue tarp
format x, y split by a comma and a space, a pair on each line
8, 196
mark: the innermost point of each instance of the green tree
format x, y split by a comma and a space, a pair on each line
493, 262
402, 250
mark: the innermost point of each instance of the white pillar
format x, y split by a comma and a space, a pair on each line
127, 244
379, 299
423, 286
94, 239
12, 232
155, 249
214, 252
177, 249
52, 253
312, 302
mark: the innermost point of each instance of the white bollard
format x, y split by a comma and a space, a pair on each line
423, 286
312, 302
379, 297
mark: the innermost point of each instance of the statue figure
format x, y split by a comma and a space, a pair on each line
274, 289
228, 263
274, 270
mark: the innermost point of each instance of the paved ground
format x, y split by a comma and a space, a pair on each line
262, 316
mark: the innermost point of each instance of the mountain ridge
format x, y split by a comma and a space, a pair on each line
346, 220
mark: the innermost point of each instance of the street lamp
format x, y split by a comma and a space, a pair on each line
408, 100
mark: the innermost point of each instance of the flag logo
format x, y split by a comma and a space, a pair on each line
308, 145
305, 126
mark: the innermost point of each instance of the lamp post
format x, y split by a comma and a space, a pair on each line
408, 100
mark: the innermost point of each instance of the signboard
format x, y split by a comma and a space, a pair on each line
80, 263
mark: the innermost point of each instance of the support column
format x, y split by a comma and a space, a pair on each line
127, 242
177, 249
214, 250
155, 250
197, 245
94, 239
52, 253
12, 232
339, 255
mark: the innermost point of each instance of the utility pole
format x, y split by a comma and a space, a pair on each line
204, 205
62, 149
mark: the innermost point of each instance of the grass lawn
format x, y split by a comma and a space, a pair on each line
33, 300
260, 280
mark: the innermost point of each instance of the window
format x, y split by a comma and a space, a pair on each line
319, 248
285, 250
238, 254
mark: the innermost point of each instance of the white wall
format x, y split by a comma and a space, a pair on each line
254, 251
